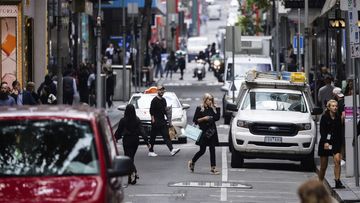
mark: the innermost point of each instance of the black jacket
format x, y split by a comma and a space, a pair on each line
333, 127
214, 140
130, 132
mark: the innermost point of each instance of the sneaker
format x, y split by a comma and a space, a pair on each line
152, 154
214, 171
191, 166
174, 151
339, 185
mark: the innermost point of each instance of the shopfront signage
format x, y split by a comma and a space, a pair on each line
354, 29
339, 23
8, 11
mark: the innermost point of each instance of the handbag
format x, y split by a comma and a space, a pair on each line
209, 132
172, 133
192, 132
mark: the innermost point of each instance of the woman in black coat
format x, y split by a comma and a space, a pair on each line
205, 116
130, 128
331, 141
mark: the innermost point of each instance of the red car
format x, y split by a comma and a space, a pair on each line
59, 154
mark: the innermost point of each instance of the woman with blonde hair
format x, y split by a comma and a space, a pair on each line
205, 116
314, 191
330, 141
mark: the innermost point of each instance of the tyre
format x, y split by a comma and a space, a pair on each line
308, 163
237, 161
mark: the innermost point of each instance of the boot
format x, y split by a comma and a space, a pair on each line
338, 184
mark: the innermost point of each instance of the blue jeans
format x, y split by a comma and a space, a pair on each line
158, 69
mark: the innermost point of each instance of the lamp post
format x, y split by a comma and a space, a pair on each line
98, 59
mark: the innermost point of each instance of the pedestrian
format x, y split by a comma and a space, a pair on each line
47, 82
170, 64
109, 53
158, 111
83, 76
205, 116
325, 92
17, 92
156, 57
314, 191
182, 65
349, 88
5, 98
110, 86
69, 88
330, 141
129, 130
29, 95
339, 97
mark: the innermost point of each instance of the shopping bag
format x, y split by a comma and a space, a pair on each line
172, 133
192, 132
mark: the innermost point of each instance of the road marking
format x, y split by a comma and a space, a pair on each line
158, 195
210, 184
224, 178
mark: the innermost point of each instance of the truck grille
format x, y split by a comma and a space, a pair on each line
273, 129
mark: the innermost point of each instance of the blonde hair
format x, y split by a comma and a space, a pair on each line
328, 104
205, 98
313, 191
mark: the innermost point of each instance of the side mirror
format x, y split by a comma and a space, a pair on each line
121, 107
232, 107
185, 106
317, 111
122, 166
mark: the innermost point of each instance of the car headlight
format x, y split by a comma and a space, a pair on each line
304, 126
242, 124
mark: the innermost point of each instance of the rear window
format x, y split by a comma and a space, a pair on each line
47, 147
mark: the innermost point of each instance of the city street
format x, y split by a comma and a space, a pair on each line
167, 179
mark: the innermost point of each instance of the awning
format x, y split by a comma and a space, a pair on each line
329, 4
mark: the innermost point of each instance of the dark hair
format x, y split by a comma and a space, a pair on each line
130, 116
15, 83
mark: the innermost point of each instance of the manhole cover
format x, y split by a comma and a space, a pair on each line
210, 184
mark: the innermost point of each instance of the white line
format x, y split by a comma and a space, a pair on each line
224, 178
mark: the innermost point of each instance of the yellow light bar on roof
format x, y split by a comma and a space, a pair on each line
298, 77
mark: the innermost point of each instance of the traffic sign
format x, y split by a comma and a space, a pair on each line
295, 42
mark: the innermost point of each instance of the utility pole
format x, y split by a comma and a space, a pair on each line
298, 41
59, 95
124, 50
277, 37
98, 59
306, 38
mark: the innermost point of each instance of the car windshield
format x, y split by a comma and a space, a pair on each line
53, 147
242, 68
274, 101
144, 101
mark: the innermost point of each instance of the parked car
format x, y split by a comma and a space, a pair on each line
274, 119
59, 154
195, 45
142, 102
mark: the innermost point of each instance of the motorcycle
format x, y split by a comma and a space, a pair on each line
218, 68
200, 70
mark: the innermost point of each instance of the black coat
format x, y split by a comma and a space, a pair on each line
130, 132
333, 128
214, 140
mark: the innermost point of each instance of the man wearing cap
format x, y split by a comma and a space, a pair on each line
339, 97
159, 125
325, 92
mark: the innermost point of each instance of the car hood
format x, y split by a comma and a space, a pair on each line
51, 189
144, 114
273, 116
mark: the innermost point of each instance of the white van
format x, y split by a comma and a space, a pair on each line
243, 64
274, 119
214, 12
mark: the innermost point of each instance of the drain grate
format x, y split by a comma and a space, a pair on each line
210, 184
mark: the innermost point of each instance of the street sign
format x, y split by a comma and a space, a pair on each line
295, 42
354, 29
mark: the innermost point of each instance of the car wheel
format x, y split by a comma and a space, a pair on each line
308, 163
237, 161
231, 147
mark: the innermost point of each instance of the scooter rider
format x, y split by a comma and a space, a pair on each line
200, 56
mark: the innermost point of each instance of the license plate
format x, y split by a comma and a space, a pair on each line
273, 139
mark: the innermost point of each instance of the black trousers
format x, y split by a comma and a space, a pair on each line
68, 99
164, 132
130, 151
202, 151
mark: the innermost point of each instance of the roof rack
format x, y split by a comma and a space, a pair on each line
272, 77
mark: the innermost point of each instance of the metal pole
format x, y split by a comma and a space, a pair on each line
298, 41
277, 37
23, 42
124, 49
355, 86
98, 60
233, 62
139, 54
307, 37
58, 47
